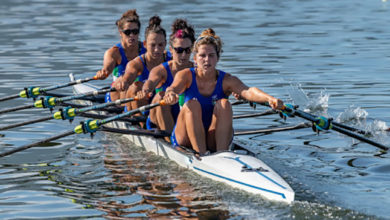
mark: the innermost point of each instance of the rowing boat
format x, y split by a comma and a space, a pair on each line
237, 167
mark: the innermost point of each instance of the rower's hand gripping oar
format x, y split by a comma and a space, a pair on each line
33, 92
89, 126
321, 123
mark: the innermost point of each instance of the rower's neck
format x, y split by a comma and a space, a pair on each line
154, 61
177, 67
207, 75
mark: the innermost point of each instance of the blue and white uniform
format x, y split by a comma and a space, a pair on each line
207, 102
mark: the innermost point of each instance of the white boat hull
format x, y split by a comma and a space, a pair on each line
235, 169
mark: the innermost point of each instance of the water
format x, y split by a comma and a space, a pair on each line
330, 57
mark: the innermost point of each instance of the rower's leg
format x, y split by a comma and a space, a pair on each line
161, 115
189, 127
220, 132
131, 93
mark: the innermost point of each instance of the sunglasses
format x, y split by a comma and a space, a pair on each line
181, 50
131, 31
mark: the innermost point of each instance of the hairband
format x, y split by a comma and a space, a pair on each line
179, 34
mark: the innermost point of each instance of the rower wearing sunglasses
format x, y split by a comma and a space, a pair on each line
117, 57
181, 41
137, 70
206, 91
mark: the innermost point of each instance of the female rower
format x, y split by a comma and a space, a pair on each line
206, 90
137, 70
181, 41
117, 57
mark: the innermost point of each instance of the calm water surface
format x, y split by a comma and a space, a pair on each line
329, 57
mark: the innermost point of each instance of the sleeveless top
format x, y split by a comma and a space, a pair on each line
119, 69
207, 102
145, 72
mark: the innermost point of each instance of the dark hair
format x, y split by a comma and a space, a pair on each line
180, 29
208, 36
154, 27
128, 16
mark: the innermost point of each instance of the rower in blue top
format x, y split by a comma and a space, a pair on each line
137, 70
181, 41
117, 57
206, 90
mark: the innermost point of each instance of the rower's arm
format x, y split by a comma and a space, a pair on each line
110, 59
180, 83
235, 85
133, 68
157, 76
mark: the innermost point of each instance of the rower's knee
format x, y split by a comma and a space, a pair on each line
193, 107
223, 106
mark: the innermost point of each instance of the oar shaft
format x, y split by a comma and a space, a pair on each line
95, 107
80, 81
359, 137
336, 127
16, 108
26, 123
9, 97
24, 147
131, 112
93, 93
268, 112
351, 128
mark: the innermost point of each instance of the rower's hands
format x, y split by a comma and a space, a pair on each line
120, 84
170, 97
144, 94
276, 104
102, 74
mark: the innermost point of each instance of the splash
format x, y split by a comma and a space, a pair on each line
318, 103
297, 94
352, 113
377, 126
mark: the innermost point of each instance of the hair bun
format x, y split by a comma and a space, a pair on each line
154, 21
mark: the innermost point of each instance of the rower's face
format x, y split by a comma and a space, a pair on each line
181, 50
206, 58
155, 45
131, 39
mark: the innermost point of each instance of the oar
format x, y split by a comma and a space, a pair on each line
271, 130
323, 123
50, 102
268, 112
69, 113
33, 92
89, 126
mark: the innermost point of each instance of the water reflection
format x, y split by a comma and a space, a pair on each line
147, 187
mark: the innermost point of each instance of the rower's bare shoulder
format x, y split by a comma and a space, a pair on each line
113, 52
135, 65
